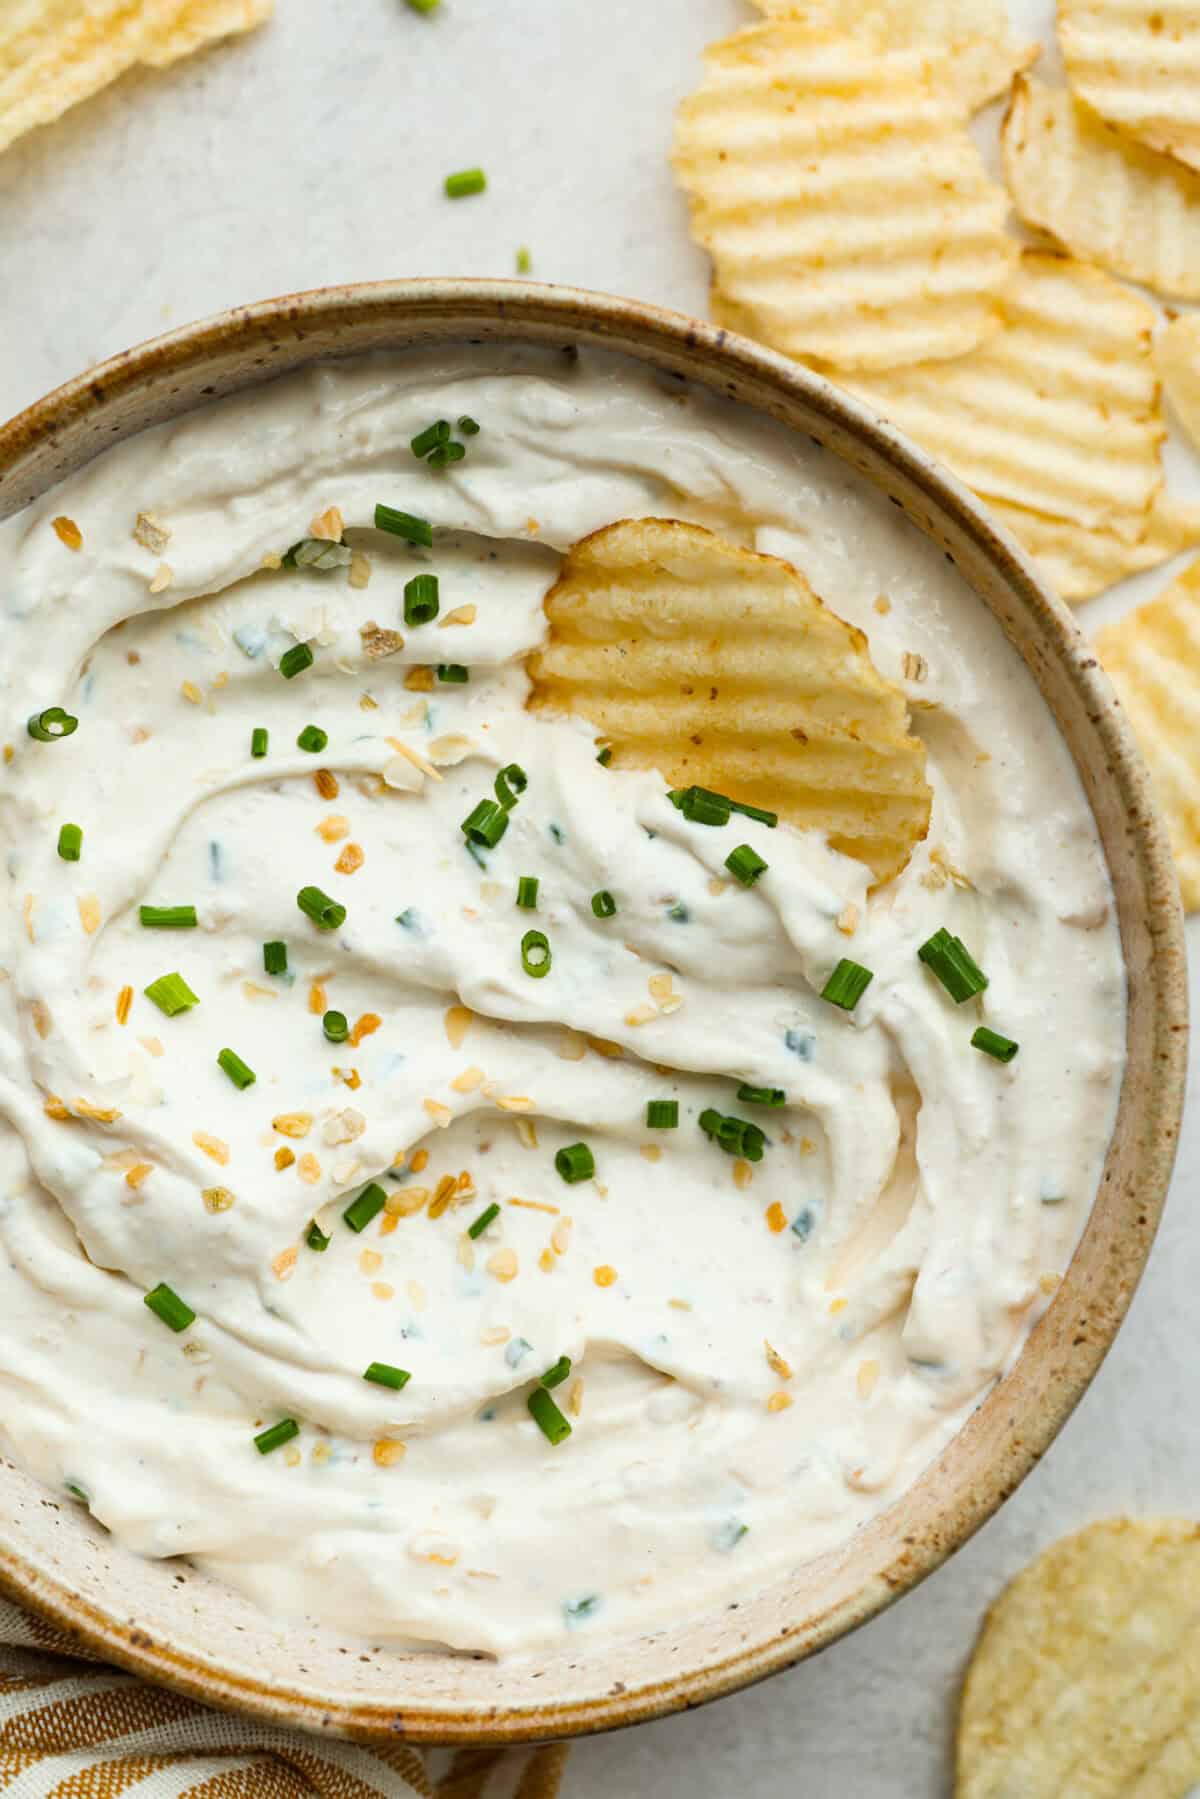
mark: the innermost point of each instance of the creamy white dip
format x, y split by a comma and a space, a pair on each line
759, 1364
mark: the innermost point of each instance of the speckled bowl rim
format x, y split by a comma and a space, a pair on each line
69, 424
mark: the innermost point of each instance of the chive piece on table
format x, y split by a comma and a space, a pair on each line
294, 661
481, 1223
315, 1237
404, 524
662, 1114
170, 918
326, 914
950, 960
454, 673
421, 599
575, 1163
424, 5
993, 1044
511, 783
368, 1205
171, 994
603, 904
761, 1096
555, 1376
547, 1417
486, 825
468, 426
335, 1026
466, 181
258, 740
536, 954
524, 260
312, 738
527, 892
50, 725
276, 1435
275, 958
70, 842
169, 1307
385, 1375
430, 438
847, 984
239, 1072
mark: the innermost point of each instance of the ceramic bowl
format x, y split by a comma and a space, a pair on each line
174, 1625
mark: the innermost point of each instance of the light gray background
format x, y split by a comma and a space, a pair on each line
313, 152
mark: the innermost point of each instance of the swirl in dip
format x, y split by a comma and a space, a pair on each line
762, 1354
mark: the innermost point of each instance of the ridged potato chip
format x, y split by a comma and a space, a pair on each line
1137, 63
1153, 657
1085, 1682
1079, 563
1177, 358
986, 52
55, 53
846, 209
721, 668
1099, 193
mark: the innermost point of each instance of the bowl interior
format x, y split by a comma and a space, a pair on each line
175, 1625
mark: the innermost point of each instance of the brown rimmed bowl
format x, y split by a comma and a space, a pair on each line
163, 1620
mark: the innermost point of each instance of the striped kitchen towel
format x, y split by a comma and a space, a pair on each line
71, 1728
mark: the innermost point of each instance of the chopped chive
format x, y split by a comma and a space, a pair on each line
745, 864
404, 524
603, 904
70, 842
527, 892
315, 1237
430, 438
466, 181
468, 426
294, 661
604, 756
547, 1416
50, 725
575, 1163
847, 984
385, 1375
276, 1436
170, 918
258, 741
555, 1376
312, 738
171, 994
368, 1205
275, 958
993, 1044
486, 825
445, 453
761, 1096
424, 5
524, 260
701, 807
736, 1136
950, 960
325, 913
536, 954
421, 599
511, 783
335, 1027
454, 673
481, 1223
662, 1114
239, 1072
169, 1307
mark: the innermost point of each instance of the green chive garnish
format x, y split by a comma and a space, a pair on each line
403, 524
745, 864
486, 824
662, 1114
294, 661
484, 1219
171, 994
454, 673
555, 1376
312, 738
527, 892
847, 984
603, 904
604, 756
993, 1044
276, 1436
536, 955
575, 1163
468, 426
424, 5
700, 806
170, 918
50, 725
169, 1307
736, 1136
316, 1238
275, 958
258, 741
445, 453
368, 1205
467, 181
70, 842
547, 1416
325, 913
239, 1072
954, 966
335, 1027
511, 783
384, 1375
524, 260
430, 438
761, 1096
420, 599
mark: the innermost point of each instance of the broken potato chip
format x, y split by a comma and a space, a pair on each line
1177, 358
1086, 1676
1103, 196
720, 667
1137, 63
55, 53
1153, 658
1079, 562
847, 212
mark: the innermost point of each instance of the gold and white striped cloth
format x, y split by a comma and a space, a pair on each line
77, 1729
